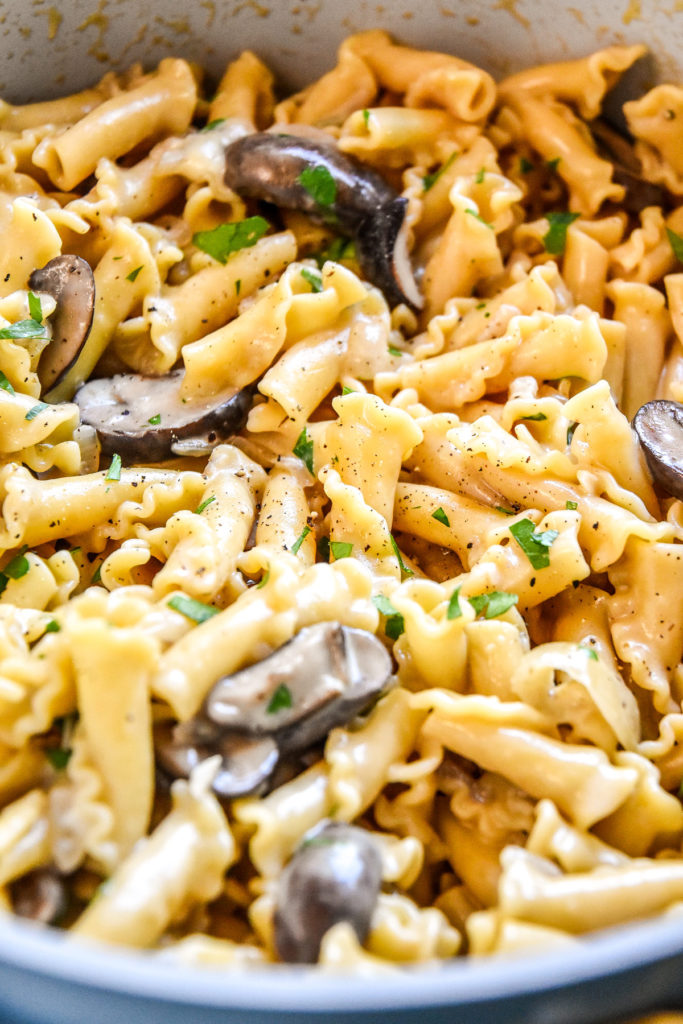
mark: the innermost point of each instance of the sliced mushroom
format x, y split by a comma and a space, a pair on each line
142, 418
618, 149
659, 426
335, 875
40, 895
322, 678
352, 197
71, 283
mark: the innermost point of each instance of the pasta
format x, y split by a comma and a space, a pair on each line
407, 424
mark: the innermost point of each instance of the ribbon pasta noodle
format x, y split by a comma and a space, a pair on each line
454, 478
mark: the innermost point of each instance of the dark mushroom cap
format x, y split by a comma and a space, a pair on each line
284, 704
124, 410
71, 283
40, 895
350, 196
335, 875
618, 149
659, 426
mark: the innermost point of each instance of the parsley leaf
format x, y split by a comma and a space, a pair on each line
406, 570
676, 243
479, 176
431, 179
114, 471
35, 308
571, 506
539, 416
319, 184
338, 249
155, 420
225, 239
534, 545
315, 280
304, 450
5, 384
18, 566
323, 549
589, 652
281, 699
493, 604
366, 117
264, 579
478, 216
209, 127
525, 165
394, 351
24, 329
134, 273
238, 285
35, 410
395, 623
505, 511
441, 516
347, 391
453, 610
97, 575
52, 626
553, 164
555, 237
570, 432
191, 609
207, 501
300, 539
58, 757
340, 549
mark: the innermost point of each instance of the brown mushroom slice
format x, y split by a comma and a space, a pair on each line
335, 875
618, 149
322, 678
314, 176
247, 761
71, 283
40, 895
142, 418
659, 426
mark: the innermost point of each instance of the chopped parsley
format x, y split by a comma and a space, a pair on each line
338, 249
555, 237
18, 566
207, 501
366, 117
525, 165
114, 471
303, 449
395, 623
534, 544
97, 575
312, 278
319, 184
406, 570
347, 391
441, 516
478, 216
494, 604
191, 609
431, 179
24, 329
35, 308
589, 652
134, 273
505, 511
58, 757
340, 549
5, 384
676, 243
571, 506
281, 699
225, 239
570, 432
52, 626
300, 539
264, 579
238, 285
539, 416
323, 549
35, 410
453, 610
394, 351
155, 420
479, 176
553, 164
209, 127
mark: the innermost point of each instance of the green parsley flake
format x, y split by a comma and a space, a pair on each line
538, 416
394, 351
314, 279
58, 757
505, 511
114, 471
555, 237
366, 117
300, 539
225, 239
431, 179
453, 611
5, 384
676, 243
347, 391
24, 329
340, 549
339, 249
35, 410
589, 652
35, 308
264, 579
207, 501
479, 176
525, 165
441, 516
406, 570
395, 623
155, 420
534, 545
213, 124
134, 273
319, 184
191, 609
97, 575
323, 549
18, 566
52, 626
494, 604
570, 432
238, 285
478, 216
281, 700
553, 164
303, 449
571, 506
